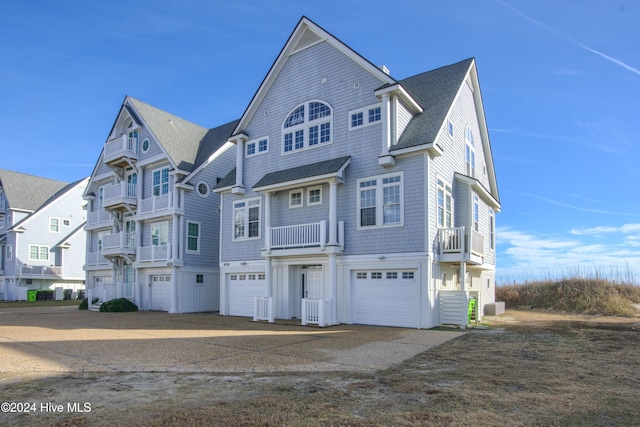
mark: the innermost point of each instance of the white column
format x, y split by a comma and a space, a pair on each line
463, 275
239, 161
174, 290
267, 222
333, 288
268, 289
175, 239
333, 212
386, 123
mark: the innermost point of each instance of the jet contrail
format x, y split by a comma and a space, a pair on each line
568, 38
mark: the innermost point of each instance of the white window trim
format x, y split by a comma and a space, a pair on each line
309, 190
296, 191
380, 201
446, 185
158, 225
9, 252
40, 247
476, 213
246, 220
492, 230
450, 128
196, 279
365, 116
206, 194
470, 163
305, 125
257, 147
51, 218
187, 236
142, 145
160, 169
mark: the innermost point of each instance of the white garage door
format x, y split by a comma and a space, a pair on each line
160, 292
386, 298
243, 288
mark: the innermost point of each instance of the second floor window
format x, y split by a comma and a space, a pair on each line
193, 236
444, 205
54, 225
309, 125
380, 201
246, 219
161, 182
38, 253
160, 233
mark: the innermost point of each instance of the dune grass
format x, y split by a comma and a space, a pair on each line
574, 295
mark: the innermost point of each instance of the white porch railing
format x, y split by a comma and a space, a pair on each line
99, 218
302, 235
456, 241
316, 311
104, 292
263, 309
119, 241
116, 193
155, 204
122, 146
96, 258
40, 270
153, 253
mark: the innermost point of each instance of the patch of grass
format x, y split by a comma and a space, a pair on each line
27, 304
577, 295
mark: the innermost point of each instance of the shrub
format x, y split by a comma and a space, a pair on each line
84, 305
118, 305
577, 295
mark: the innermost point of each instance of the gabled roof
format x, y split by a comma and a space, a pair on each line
178, 137
27, 192
435, 91
310, 171
306, 34
213, 140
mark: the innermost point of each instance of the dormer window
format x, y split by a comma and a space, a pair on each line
307, 126
470, 155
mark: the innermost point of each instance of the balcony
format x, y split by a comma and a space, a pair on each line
156, 206
40, 271
153, 253
121, 151
95, 259
461, 244
120, 196
100, 219
119, 244
302, 239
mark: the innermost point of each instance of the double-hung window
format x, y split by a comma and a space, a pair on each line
307, 126
246, 219
160, 233
38, 253
161, 181
54, 225
193, 237
470, 155
257, 146
476, 213
381, 201
364, 116
445, 217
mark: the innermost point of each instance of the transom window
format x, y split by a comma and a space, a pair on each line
364, 117
380, 201
257, 146
161, 182
38, 253
308, 126
445, 217
246, 219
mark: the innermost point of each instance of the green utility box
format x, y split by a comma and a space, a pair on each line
472, 310
31, 295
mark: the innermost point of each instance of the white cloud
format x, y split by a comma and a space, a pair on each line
568, 205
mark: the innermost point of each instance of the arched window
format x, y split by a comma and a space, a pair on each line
307, 126
470, 155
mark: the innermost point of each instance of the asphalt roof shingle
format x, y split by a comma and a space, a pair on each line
28, 192
304, 171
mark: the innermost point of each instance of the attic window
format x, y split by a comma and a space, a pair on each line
365, 116
203, 189
145, 145
307, 126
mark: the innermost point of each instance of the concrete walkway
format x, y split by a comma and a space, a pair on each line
64, 339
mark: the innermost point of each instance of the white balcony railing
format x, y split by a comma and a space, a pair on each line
95, 259
154, 253
99, 219
122, 146
461, 240
123, 241
155, 204
122, 192
302, 236
40, 270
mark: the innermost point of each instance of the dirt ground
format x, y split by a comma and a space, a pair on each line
521, 368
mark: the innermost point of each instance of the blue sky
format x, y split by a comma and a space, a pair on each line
560, 83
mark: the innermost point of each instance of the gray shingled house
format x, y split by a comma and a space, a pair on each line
42, 242
357, 197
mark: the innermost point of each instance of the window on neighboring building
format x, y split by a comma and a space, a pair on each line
160, 233
9, 252
246, 219
445, 217
38, 253
309, 125
193, 236
54, 225
470, 155
380, 201
364, 116
257, 146
161, 181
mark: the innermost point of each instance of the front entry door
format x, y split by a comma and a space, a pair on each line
312, 284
